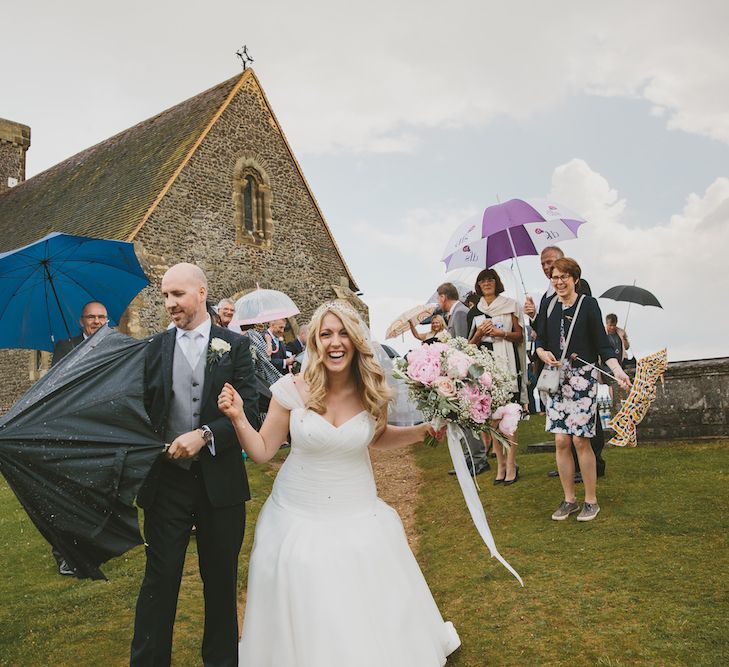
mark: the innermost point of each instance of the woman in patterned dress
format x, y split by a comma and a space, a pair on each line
571, 411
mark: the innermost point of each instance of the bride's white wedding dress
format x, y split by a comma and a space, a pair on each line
332, 581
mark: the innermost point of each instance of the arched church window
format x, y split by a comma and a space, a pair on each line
252, 198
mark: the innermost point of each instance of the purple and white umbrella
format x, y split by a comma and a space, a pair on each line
515, 228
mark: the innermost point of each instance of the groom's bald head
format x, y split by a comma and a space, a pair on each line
185, 289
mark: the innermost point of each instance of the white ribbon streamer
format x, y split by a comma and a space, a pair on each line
455, 437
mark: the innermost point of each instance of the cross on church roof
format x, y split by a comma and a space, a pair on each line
245, 58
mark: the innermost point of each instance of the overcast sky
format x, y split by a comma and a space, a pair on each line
409, 116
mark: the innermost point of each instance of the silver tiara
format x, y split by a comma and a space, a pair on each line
337, 306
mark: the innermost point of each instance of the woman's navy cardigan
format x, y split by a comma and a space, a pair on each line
589, 338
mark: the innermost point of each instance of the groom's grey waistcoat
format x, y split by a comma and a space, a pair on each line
187, 389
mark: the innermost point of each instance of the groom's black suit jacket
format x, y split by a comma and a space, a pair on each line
223, 474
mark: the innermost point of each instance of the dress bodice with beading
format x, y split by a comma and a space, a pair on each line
328, 471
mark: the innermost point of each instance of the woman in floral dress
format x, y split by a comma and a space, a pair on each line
571, 411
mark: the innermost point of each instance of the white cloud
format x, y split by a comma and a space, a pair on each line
681, 261
423, 65
368, 79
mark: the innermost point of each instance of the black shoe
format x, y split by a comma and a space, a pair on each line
553, 473
509, 482
578, 478
498, 481
65, 569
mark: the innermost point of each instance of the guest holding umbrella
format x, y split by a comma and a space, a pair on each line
437, 324
572, 339
495, 323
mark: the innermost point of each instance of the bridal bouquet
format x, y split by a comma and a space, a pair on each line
464, 388
455, 382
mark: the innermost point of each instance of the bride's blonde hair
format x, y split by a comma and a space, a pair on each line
368, 376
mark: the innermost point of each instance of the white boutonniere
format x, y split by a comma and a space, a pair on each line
217, 350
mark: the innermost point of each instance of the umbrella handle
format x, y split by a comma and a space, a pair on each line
627, 314
516, 259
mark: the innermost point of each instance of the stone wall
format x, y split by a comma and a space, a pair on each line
14, 142
196, 220
693, 403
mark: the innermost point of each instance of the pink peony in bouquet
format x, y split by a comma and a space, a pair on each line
455, 382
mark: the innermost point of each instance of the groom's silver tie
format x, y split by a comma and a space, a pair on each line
189, 343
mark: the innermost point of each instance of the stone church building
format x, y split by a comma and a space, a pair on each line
211, 181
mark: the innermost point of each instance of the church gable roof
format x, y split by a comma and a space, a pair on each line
106, 190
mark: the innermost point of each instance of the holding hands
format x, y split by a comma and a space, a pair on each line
230, 403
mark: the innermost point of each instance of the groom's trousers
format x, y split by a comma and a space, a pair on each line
181, 502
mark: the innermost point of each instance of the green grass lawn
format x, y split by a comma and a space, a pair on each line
644, 584
46, 619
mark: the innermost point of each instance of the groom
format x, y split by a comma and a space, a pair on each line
200, 480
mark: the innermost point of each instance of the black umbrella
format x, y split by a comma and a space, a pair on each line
76, 448
631, 294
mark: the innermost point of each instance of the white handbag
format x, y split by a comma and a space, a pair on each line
551, 376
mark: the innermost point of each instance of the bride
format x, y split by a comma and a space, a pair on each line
332, 581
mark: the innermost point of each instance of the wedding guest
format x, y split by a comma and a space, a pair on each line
275, 346
495, 324
332, 581
265, 370
298, 345
93, 317
613, 331
225, 311
538, 317
437, 324
575, 322
456, 312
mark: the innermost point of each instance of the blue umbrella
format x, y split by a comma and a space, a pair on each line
45, 285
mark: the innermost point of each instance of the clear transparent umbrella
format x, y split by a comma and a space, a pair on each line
264, 305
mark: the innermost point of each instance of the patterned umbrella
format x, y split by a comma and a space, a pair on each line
643, 392
401, 323
515, 228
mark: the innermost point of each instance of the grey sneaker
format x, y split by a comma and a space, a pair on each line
589, 512
564, 510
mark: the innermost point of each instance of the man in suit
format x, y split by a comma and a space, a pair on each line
275, 346
457, 319
298, 345
93, 317
548, 257
200, 479
456, 313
